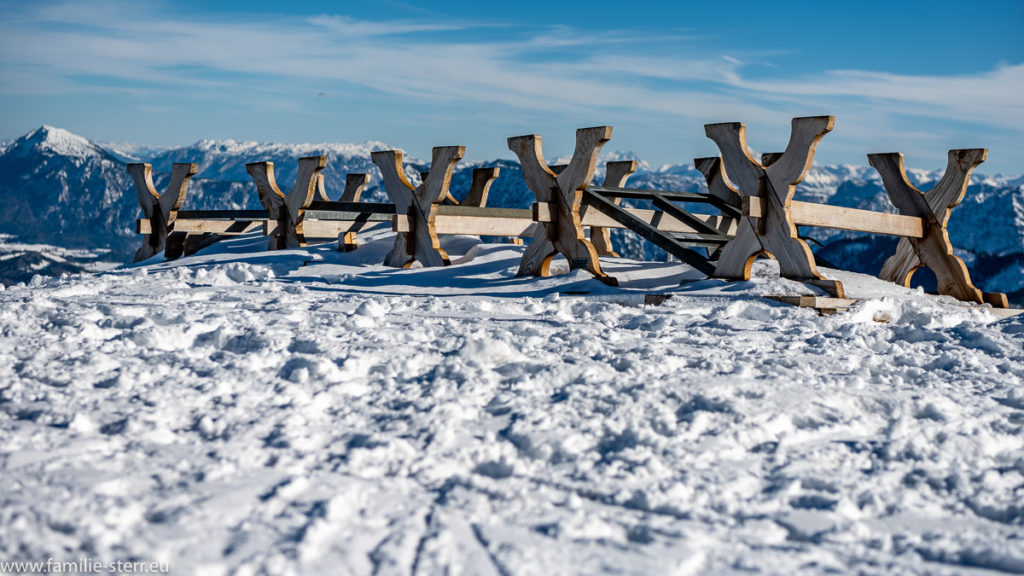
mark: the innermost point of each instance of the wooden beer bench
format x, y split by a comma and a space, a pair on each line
770, 216
288, 220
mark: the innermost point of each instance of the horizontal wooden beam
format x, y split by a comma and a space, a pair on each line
841, 218
222, 214
474, 221
347, 216
206, 226
590, 216
326, 228
371, 207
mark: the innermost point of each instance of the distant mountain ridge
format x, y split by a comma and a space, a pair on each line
62, 189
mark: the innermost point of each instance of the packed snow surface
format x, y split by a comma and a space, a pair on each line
312, 412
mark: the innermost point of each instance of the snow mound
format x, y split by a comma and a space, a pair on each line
309, 411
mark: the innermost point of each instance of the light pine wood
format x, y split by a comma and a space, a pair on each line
932, 248
419, 204
824, 306
160, 210
842, 218
287, 210
481, 186
615, 176
207, 226
472, 221
773, 233
564, 234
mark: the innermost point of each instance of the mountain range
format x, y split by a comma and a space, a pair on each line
63, 190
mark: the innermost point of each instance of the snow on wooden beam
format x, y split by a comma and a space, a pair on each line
160, 210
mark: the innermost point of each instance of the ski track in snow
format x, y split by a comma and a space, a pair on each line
308, 412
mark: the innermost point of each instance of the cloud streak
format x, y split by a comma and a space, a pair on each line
120, 48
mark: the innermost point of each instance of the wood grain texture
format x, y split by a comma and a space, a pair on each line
933, 207
773, 233
615, 176
511, 222
481, 186
842, 218
564, 234
287, 210
419, 204
160, 209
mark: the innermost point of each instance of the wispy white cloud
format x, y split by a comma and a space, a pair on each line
127, 48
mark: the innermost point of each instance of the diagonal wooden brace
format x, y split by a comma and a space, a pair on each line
564, 233
933, 207
774, 183
161, 209
287, 210
420, 244
615, 176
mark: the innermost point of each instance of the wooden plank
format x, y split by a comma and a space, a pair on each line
225, 227
842, 218
348, 216
206, 226
815, 301
590, 216
223, 214
374, 207
474, 225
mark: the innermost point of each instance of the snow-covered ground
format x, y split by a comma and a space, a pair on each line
311, 412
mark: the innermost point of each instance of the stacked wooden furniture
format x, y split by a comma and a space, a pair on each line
768, 226
757, 214
566, 203
289, 220
420, 217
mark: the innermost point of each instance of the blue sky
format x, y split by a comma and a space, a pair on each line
916, 77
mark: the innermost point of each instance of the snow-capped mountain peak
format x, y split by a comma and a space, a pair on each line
57, 141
